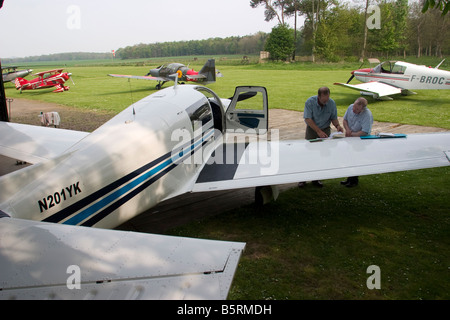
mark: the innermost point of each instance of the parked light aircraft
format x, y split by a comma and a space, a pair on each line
180, 72
169, 143
11, 73
46, 79
398, 77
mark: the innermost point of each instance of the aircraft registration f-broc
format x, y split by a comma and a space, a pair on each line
46, 79
179, 72
398, 77
167, 144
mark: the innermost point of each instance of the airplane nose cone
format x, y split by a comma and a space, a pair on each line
367, 70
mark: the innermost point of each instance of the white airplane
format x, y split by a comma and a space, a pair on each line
397, 77
172, 142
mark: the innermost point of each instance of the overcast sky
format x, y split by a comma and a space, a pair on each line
36, 27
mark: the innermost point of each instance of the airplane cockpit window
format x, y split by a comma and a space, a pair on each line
251, 100
200, 116
377, 69
211, 96
390, 67
398, 69
386, 67
172, 68
216, 106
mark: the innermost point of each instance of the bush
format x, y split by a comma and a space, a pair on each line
280, 43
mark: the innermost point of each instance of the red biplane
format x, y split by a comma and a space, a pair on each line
46, 79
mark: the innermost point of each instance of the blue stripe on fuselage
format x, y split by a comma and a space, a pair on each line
160, 166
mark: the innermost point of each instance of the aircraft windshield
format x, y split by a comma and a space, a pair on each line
173, 67
399, 69
211, 96
390, 67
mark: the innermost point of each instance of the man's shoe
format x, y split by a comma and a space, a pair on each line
318, 183
301, 184
352, 182
345, 182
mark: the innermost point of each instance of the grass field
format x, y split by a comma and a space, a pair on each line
315, 243
288, 86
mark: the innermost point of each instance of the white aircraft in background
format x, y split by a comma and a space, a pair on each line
164, 145
397, 77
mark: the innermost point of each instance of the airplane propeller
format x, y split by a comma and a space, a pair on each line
70, 76
353, 75
351, 78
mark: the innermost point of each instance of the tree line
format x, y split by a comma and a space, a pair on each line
333, 30
245, 45
67, 56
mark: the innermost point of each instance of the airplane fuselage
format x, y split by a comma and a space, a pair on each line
137, 159
406, 76
11, 76
178, 69
57, 81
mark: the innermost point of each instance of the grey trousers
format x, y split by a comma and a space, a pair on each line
311, 134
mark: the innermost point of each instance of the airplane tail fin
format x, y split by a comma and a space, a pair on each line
209, 70
19, 82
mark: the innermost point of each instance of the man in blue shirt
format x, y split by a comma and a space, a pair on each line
358, 122
358, 119
320, 111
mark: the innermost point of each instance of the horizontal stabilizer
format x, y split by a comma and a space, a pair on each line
196, 76
35, 144
53, 261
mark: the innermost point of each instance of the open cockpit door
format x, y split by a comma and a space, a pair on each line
248, 109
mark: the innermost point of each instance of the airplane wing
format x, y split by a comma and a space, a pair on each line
34, 144
140, 77
265, 163
378, 89
49, 71
53, 261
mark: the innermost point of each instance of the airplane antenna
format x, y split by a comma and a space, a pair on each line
437, 67
131, 91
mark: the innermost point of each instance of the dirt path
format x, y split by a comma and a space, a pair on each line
27, 111
292, 125
289, 122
